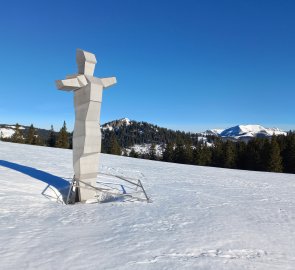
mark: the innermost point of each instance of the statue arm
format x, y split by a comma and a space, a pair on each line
107, 82
71, 82
68, 84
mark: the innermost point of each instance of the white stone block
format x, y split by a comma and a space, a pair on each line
86, 128
88, 111
68, 84
86, 164
87, 144
96, 93
107, 82
89, 93
86, 62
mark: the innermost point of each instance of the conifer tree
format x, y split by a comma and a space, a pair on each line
179, 152
114, 147
264, 154
71, 140
217, 153
32, 137
274, 159
289, 154
133, 153
229, 155
241, 155
17, 137
196, 153
188, 153
152, 152
63, 137
253, 153
204, 155
51, 141
168, 152
103, 145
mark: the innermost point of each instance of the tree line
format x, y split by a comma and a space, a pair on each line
275, 154
272, 154
113, 141
61, 139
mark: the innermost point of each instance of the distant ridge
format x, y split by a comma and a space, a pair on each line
150, 133
245, 132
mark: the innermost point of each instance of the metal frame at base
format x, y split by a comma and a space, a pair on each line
74, 190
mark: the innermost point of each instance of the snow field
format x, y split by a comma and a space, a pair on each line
200, 218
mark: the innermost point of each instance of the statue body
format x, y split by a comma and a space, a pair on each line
87, 135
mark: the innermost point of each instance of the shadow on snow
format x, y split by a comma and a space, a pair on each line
57, 182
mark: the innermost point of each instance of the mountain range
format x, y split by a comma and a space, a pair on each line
140, 133
241, 132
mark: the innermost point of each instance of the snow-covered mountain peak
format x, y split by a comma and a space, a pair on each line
116, 124
240, 131
126, 120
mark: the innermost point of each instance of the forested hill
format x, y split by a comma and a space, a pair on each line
129, 133
125, 132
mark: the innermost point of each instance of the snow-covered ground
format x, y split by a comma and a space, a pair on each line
200, 217
143, 149
8, 131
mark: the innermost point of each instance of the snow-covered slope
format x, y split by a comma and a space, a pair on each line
116, 124
200, 217
244, 131
250, 131
144, 149
215, 132
6, 131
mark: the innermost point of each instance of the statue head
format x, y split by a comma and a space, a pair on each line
86, 62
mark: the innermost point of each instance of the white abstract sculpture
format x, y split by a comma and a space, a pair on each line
87, 135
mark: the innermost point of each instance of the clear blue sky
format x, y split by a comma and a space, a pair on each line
185, 64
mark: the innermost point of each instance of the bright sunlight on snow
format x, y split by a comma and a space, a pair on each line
200, 217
